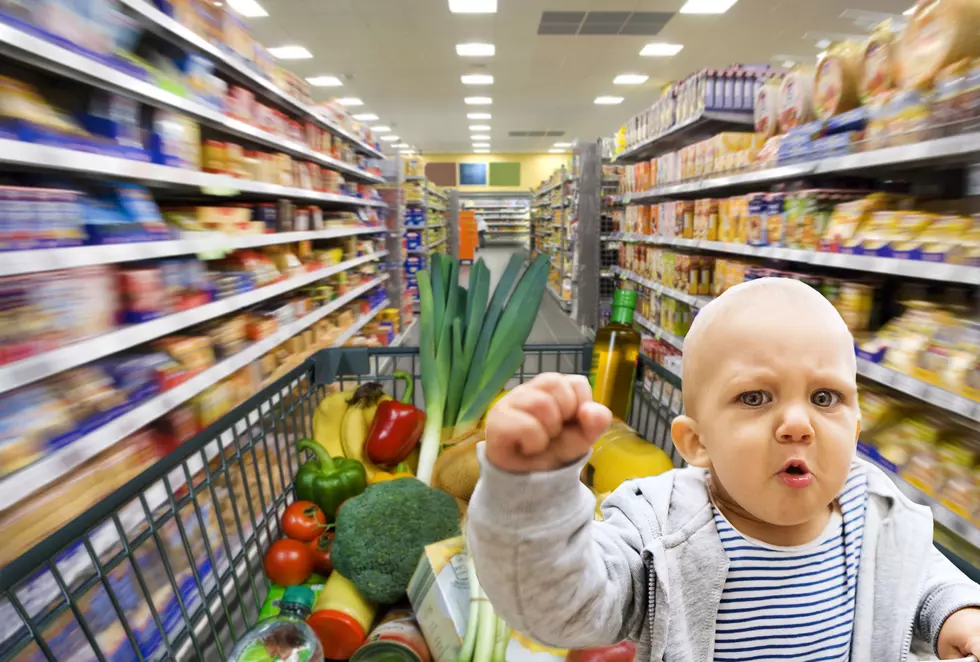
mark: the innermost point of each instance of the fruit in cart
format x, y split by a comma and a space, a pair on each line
470, 343
457, 468
320, 548
288, 562
303, 521
357, 422
380, 535
396, 427
400, 471
621, 455
328, 481
327, 420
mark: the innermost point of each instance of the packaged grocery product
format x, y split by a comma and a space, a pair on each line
878, 63
755, 220
940, 241
766, 111
947, 105
938, 34
838, 78
849, 217
175, 140
796, 98
908, 117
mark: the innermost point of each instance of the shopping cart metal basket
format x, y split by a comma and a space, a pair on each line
169, 567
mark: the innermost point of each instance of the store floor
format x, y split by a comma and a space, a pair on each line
551, 327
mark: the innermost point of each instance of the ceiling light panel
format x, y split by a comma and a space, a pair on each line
478, 116
909, 11
481, 151
290, 53
366, 117
325, 81
390, 139
481, 145
381, 128
248, 8
477, 79
556, 151
630, 79
475, 50
473, 6
478, 137
608, 101
350, 101
659, 49
479, 127
707, 6
563, 144
478, 101
402, 145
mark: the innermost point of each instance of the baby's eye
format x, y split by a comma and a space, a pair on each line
755, 398
825, 398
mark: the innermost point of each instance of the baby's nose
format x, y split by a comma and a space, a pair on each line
795, 426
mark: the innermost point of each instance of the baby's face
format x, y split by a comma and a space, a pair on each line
777, 412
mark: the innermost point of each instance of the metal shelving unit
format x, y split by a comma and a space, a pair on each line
551, 230
507, 215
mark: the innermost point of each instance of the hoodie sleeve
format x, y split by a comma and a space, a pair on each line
550, 570
947, 590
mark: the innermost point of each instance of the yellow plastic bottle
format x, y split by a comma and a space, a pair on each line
617, 346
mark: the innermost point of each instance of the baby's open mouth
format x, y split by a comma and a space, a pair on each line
796, 474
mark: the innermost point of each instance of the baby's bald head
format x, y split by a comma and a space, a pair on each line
767, 308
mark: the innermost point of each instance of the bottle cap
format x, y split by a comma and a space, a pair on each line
624, 299
298, 595
340, 634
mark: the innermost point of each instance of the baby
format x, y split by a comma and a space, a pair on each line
776, 544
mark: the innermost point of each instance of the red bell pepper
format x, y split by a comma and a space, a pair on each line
396, 428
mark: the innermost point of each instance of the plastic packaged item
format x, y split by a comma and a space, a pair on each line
175, 140
878, 63
838, 78
796, 98
282, 637
938, 34
341, 618
766, 110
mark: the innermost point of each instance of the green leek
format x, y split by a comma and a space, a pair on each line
471, 343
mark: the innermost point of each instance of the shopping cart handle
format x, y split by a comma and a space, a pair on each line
328, 364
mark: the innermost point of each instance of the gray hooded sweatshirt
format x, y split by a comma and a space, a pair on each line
654, 570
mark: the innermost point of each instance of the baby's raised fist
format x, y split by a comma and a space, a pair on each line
544, 424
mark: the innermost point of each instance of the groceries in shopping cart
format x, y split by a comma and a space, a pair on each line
328, 481
285, 636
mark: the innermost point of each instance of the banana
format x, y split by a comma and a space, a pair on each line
353, 432
328, 419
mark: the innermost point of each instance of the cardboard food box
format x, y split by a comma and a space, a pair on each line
440, 597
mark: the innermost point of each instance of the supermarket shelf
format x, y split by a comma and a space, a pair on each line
432, 191
24, 262
508, 223
940, 513
549, 188
951, 273
426, 249
704, 125
427, 226
564, 303
39, 52
166, 27
50, 363
658, 332
360, 323
29, 155
689, 299
962, 148
53, 466
919, 389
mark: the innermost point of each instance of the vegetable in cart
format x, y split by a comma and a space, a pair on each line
381, 534
328, 481
470, 348
396, 428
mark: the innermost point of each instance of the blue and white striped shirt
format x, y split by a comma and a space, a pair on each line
793, 603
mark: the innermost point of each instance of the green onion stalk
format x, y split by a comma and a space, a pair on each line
470, 343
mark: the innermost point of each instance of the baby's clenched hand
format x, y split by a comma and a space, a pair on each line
547, 423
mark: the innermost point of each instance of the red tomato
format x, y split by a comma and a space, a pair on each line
303, 521
320, 548
288, 562
624, 651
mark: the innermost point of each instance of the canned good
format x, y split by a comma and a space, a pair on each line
397, 638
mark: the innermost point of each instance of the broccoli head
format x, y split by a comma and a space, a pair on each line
381, 533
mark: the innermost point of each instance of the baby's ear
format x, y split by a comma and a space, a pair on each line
684, 433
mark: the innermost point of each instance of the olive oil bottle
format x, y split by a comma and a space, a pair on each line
617, 346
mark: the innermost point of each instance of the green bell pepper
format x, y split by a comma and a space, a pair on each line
327, 481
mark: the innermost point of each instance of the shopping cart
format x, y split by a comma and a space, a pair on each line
169, 567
